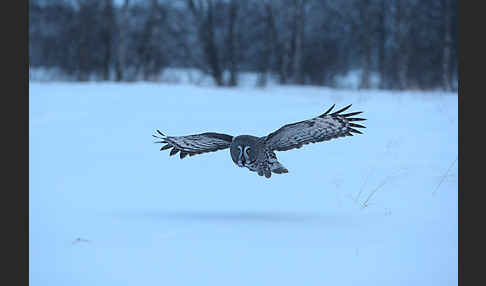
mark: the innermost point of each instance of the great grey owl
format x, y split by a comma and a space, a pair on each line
257, 153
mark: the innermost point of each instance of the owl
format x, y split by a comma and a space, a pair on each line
258, 153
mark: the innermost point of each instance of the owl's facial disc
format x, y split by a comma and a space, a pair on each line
247, 150
243, 160
241, 157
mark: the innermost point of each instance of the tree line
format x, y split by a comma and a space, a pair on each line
410, 44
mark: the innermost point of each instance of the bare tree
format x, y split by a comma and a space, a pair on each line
298, 41
271, 47
402, 41
150, 48
203, 12
382, 32
365, 39
447, 43
231, 43
108, 21
88, 38
121, 47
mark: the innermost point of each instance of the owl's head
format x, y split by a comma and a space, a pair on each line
244, 150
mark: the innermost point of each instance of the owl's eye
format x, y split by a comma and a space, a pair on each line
248, 150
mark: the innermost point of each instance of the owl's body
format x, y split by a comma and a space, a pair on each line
255, 156
257, 153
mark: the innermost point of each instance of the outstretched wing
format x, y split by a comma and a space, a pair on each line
194, 144
324, 127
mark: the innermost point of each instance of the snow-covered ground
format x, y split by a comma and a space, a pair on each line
106, 207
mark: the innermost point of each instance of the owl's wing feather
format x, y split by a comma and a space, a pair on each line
194, 144
321, 128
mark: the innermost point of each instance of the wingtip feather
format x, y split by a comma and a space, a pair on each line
351, 114
356, 119
342, 109
355, 131
356, 125
329, 110
165, 147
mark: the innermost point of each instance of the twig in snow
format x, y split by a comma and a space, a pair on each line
444, 176
77, 240
365, 203
362, 186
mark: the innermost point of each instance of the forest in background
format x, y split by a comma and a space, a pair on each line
410, 44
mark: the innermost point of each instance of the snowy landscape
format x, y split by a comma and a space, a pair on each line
106, 207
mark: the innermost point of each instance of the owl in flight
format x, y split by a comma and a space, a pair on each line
257, 153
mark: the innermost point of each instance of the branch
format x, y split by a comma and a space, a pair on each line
444, 176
